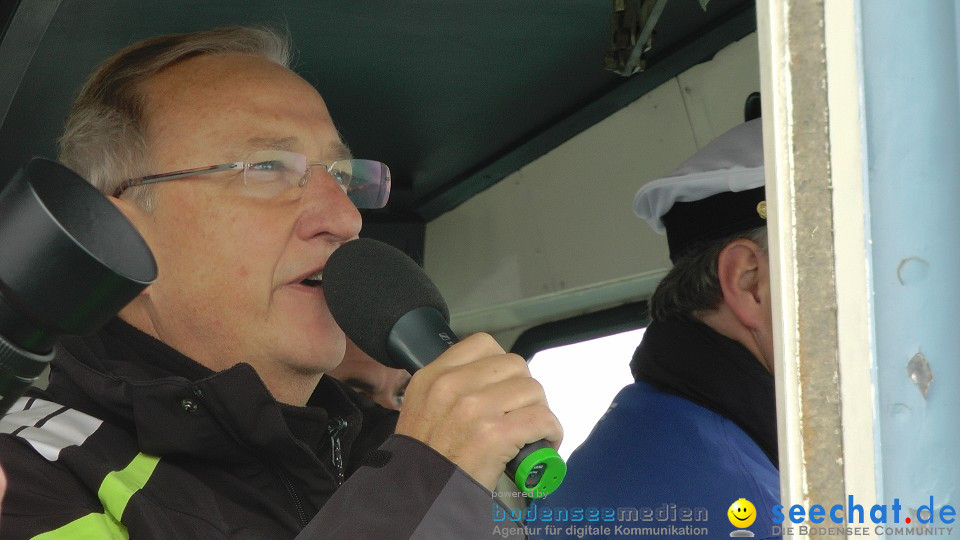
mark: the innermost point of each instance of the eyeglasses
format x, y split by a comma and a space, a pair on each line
278, 174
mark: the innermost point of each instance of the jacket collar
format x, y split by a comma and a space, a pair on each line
178, 406
690, 359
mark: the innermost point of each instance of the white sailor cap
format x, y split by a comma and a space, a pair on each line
716, 193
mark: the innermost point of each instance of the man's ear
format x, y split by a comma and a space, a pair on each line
141, 221
743, 280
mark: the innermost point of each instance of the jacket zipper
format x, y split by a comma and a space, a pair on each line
334, 428
301, 514
293, 495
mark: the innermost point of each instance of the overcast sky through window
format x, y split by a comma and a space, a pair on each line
582, 379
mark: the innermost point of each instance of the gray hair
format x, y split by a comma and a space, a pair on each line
104, 139
692, 285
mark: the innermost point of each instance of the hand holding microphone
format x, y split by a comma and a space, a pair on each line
475, 404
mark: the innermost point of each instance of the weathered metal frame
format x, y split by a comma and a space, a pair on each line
812, 103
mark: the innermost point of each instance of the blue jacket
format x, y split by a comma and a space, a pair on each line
657, 460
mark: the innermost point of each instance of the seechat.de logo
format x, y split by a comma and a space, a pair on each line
853, 519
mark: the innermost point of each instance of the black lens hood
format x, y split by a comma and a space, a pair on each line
69, 259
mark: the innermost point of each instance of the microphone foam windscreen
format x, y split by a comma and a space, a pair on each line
369, 285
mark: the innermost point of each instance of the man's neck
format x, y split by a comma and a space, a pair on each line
286, 386
723, 321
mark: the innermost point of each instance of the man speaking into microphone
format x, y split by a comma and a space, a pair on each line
202, 410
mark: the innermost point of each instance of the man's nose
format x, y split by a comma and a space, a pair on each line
326, 209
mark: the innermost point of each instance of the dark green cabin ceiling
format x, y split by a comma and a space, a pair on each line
454, 95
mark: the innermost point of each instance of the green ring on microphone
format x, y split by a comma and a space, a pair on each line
552, 471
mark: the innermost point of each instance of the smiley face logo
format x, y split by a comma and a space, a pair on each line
742, 513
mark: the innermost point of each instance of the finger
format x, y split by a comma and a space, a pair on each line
479, 373
471, 393
500, 398
531, 424
481, 409
467, 350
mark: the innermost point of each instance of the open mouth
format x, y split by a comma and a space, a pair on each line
316, 280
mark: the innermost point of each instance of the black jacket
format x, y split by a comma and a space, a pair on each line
133, 439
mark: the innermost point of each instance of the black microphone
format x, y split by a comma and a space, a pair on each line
386, 304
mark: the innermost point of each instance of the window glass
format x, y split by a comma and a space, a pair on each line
581, 379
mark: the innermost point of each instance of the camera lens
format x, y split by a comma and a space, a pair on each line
69, 261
